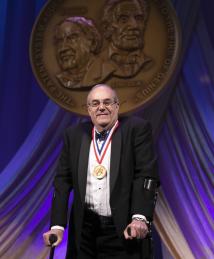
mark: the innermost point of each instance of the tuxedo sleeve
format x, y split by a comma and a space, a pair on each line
145, 167
62, 186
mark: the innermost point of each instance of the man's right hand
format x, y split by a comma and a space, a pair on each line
58, 232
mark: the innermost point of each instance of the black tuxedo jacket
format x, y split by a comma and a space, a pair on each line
132, 160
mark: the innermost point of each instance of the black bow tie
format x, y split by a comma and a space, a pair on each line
101, 136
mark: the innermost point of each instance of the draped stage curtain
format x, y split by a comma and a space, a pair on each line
32, 126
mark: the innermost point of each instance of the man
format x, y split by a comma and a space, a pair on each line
124, 23
77, 41
109, 176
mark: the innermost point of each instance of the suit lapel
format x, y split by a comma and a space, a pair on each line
83, 162
115, 157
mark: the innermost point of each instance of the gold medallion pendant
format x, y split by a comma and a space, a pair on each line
99, 172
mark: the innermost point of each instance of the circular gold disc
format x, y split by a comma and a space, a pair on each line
77, 44
99, 172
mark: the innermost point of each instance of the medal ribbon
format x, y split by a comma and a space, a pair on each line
101, 155
102, 143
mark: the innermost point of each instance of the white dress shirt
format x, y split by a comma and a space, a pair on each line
97, 190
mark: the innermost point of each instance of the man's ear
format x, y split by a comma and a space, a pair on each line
118, 106
89, 110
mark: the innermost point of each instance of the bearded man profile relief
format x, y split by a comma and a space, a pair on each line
124, 23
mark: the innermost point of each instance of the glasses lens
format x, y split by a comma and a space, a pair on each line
105, 103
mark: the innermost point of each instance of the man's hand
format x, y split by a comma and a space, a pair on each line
57, 232
136, 229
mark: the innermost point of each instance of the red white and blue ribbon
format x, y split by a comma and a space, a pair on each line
100, 152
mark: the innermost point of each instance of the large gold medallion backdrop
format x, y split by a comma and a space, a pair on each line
130, 45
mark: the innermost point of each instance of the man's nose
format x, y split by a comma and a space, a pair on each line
132, 22
101, 106
64, 42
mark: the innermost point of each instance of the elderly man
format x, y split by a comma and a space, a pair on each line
77, 41
110, 164
124, 23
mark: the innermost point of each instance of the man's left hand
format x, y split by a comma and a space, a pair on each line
137, 229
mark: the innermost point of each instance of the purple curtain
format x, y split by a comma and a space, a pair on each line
186, 150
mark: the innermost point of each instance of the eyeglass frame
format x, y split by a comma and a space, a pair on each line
99, 102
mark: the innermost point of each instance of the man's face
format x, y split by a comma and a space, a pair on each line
73, 48
103, 116
128, 25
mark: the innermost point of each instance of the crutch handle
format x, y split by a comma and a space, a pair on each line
52, 240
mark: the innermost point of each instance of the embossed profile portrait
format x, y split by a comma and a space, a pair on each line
76, 41
133, 45
124, 23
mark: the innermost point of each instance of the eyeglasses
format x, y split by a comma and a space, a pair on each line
107, 103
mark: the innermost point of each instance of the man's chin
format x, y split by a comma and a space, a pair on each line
103, 124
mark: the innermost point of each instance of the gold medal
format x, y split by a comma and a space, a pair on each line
99, 172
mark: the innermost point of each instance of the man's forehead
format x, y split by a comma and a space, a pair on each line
101, 93
128, 7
